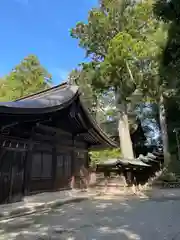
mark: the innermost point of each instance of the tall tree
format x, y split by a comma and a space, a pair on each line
26, 78
115, 39
154, 86
169, 12
161, 81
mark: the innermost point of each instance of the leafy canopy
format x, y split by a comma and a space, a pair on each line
121, 39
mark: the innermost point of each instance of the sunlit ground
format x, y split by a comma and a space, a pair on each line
109, 218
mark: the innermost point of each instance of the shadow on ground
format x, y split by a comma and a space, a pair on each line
103, 218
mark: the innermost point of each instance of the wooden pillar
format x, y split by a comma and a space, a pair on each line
73, 163
11, 177
54, 167
28, 168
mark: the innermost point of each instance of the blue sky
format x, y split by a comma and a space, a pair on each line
41, 27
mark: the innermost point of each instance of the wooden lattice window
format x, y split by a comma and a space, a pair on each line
42, 165
60, 164
64, 165
67, 165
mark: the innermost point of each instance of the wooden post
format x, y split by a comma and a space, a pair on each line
11, 178
54, 166
72, 163
28, 167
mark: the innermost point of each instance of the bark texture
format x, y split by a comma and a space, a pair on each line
164, 133
124, 133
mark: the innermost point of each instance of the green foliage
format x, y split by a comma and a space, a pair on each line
26, 78
83, 79
169, 63
124, 40
119, 64
101, 105
100, 156
169, 12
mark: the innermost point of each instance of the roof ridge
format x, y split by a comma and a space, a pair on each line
62, 85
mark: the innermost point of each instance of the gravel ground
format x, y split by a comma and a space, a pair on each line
102, 218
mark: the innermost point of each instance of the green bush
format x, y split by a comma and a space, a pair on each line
101, 156
167, 177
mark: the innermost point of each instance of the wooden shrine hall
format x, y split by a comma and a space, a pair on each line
44, 142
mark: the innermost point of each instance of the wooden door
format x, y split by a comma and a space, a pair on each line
63, 170
5, 174
17, 176
81, 173
41, 171
11, 175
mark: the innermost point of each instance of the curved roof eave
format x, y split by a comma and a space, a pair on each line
50, 100
95, 125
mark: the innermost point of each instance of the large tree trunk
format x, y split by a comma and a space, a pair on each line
124, 133
164, 134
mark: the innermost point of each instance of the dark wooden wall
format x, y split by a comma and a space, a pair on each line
12, 170
30, 166
41, 177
